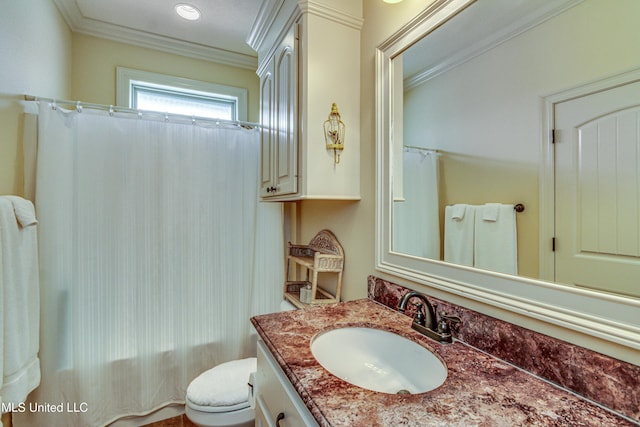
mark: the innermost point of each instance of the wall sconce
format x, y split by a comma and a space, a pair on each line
334, 130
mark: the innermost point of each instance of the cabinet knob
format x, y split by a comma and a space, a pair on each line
279, 418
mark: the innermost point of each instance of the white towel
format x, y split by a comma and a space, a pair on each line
458, 211
223, 385
19, 301
24, 211
458, 234
490, 211
496, 247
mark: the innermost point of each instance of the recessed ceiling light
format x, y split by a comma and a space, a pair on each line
392, 1
188, 12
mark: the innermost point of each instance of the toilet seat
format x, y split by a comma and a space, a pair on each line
217, 409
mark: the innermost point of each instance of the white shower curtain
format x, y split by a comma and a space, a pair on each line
154, 254
416, 223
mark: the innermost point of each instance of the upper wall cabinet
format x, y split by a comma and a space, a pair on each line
278, 103
308, 59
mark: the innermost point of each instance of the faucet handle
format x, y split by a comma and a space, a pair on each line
444, 326
419, 317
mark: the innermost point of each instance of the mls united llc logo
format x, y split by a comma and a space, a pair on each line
67, 407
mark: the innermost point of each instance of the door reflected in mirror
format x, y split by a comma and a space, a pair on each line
473, 138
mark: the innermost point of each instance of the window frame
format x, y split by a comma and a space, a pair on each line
127, 77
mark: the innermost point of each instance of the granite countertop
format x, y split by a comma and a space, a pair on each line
480, 390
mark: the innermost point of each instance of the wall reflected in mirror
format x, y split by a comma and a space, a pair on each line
471, 133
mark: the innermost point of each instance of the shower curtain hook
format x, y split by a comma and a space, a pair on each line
166, 117
78, 107
193, 120
111, 110
139, 114
54, 106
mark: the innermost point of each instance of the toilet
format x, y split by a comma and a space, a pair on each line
222, 396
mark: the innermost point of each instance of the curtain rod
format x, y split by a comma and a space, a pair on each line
116, 109
429, 150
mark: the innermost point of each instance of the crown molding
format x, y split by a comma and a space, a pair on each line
289, 10
326, 12
483, 45
80, 24
264, 20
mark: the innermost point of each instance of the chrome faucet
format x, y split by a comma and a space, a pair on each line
426, 322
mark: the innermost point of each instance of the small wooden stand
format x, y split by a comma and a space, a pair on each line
323, 254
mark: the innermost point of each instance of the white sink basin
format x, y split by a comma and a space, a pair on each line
378, 360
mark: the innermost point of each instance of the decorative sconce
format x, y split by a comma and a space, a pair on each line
334, 130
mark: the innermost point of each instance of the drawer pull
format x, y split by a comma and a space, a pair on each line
279, 418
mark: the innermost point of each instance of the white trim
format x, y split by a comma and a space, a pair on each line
124, 77
546, 231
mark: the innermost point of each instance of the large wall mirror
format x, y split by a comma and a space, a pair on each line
476, 198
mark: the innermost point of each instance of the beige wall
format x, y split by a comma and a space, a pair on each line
95, 61
35, 59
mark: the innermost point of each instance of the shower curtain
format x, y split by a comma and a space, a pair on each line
154, 253
416, 223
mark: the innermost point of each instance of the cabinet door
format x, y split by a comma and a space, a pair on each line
278, 94
267, 119
286, 167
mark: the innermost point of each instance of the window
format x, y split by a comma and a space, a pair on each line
167, 94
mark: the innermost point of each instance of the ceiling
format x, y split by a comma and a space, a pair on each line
220, 35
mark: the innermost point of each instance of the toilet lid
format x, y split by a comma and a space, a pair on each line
224, 385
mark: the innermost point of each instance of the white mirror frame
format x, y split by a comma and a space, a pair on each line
606, 316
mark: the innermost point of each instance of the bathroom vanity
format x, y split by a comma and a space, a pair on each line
479, 389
